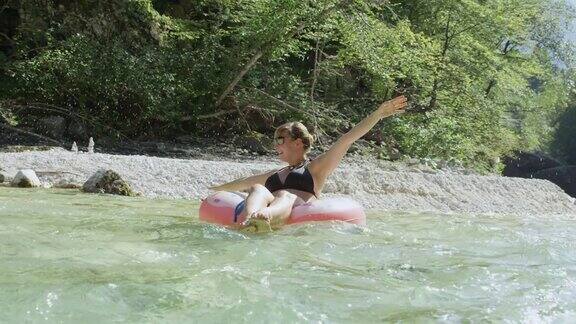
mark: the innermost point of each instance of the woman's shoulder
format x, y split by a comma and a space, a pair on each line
313, 163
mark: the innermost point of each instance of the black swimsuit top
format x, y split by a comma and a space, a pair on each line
299, 178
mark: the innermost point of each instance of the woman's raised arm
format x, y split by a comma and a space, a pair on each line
325, 164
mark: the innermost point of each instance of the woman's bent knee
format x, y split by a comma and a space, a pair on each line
258, 187
260, 190
285, 194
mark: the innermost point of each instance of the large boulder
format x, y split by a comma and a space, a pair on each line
564, 177
525, 165
26, 179
107, 181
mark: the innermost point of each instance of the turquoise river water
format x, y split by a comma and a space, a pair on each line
67, 257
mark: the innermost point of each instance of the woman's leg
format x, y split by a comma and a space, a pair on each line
258, 197
279, 209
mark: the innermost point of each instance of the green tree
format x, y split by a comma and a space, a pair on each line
482, 76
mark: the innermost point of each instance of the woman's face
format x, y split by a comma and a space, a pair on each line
286, 147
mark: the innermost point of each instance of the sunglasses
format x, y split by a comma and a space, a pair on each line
279, 140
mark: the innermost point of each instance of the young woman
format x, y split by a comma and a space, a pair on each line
272, 195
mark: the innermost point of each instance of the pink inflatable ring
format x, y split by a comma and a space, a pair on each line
224, 208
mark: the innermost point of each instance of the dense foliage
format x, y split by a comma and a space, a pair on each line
483, 77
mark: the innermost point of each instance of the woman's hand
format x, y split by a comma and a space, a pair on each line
392, 107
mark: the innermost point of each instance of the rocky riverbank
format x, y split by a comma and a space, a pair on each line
376, 184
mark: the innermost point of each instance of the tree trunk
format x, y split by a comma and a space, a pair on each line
507, 48
434, 95
261, 51
315, 72
239, 77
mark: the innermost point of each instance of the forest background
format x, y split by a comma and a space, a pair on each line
485, 78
